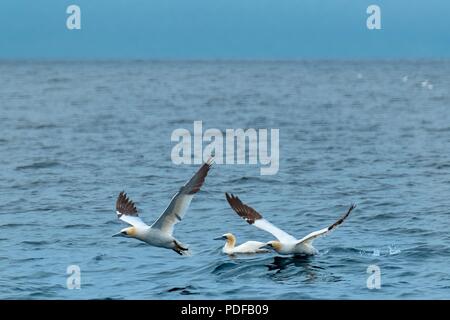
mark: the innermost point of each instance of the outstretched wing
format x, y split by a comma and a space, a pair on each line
253, 217
180, 201
126, 211
313, 235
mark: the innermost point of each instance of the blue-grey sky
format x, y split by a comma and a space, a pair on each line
224, 29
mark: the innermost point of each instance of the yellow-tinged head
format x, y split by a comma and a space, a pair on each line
129, 232
275, 245
230, 239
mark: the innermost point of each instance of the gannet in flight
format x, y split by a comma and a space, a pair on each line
286, 243
159, 234
246, 247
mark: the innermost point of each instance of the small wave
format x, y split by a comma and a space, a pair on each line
376, 252
253, 179
188, 290
381, 216
427, 250
112, 222
58, 80
99, 257
445, 129
110, 270
39, 165
46, 126
442, 166
29, 259
398, 99
76, 225
223, 267
13, 225
37, 242
293, 295
102, 89
46, 292
346, 250
151, 176
410, 231
393, 251
43, 274
36, 126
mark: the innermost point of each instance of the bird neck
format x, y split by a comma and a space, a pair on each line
278, 247
231, 242
139, 233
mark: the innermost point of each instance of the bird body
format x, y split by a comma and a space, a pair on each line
286, 243
296, 248
158, 238
247, 247
159, 234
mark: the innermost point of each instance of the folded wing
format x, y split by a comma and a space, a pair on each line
253, 217
176, 210
250, 247
313, 235
127, 212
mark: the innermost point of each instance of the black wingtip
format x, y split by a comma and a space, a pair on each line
125, 206
244, 211
231, 197
352, 207
342, 219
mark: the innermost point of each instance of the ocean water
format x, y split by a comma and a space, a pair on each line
75, 134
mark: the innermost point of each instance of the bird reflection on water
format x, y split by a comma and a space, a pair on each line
304, 262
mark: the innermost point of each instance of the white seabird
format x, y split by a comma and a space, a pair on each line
286, 243
159, 234
246, 247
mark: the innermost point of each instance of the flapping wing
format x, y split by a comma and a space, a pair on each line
313, 235
180, 201
127, 212
253, 217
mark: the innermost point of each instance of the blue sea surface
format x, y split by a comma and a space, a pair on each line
75, 134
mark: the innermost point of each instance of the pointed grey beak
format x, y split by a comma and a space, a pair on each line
266, 246
118, 234
220, 238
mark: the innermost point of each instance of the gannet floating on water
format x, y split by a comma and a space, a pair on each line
286, 243
246, 247
159, 234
